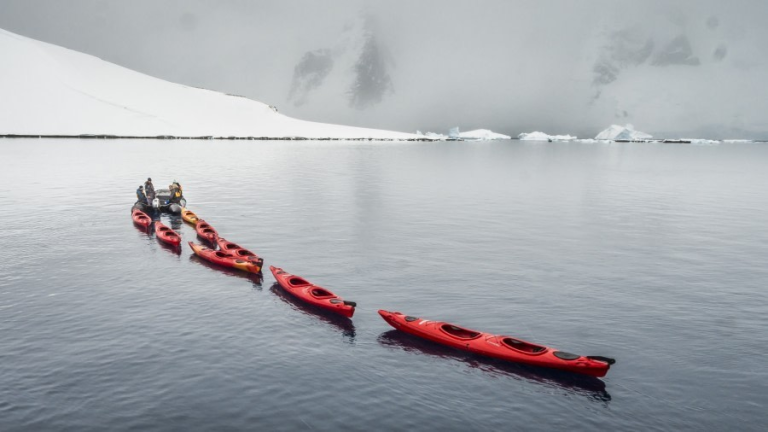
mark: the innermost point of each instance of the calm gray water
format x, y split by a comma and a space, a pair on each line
652, 254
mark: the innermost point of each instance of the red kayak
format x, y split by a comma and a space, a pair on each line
141, 218
222, 258
500, 347
206, 231
241, 252
166, 234
313, 294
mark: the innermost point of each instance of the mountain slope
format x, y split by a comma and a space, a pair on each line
50, 90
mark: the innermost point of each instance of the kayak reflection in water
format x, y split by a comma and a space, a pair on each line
593, 388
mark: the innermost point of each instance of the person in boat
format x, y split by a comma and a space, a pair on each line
149, 190
176, 192
140, 194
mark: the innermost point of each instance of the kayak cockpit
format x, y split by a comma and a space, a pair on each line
459, 333
297, 281
221, 254
244, 253
523, 346
321, 293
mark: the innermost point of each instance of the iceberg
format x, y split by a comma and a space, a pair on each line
541, 136
48, 90
473, 135
432, 136
628, 132
482, 135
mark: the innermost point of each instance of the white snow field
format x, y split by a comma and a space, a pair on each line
49, 90
541, 136
628, 132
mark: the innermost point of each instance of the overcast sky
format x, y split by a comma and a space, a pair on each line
672, 68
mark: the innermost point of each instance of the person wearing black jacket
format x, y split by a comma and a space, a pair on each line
149, 190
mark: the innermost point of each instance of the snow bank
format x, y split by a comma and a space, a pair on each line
482, 135
541, 136
701, 141
50, 90
628, 132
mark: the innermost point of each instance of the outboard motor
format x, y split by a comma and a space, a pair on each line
156, 203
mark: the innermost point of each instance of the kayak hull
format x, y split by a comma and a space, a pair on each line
189, 216
167, 235
240, 252
206, 232
312, 294
223, 259
496, 346
141, 219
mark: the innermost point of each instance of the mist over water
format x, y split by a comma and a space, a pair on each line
673, 69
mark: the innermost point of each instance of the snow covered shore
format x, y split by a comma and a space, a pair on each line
53, 91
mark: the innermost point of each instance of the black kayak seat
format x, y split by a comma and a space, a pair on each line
321, 293
523, 346
565, 355
297, 281
459, 332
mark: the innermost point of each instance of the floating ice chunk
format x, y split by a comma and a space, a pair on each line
541, 136
700, 141
628, 132
482, 135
